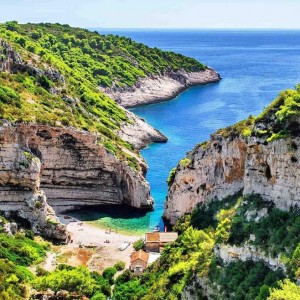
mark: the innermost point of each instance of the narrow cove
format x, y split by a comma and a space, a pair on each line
248, 61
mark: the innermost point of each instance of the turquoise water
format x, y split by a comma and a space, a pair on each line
254, 65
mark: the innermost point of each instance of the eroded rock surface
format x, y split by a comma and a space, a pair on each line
158, 88
224, 166
66, 165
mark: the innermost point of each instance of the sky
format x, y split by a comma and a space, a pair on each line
156, 13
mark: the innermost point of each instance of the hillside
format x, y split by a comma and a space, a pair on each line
60, 133
65, 144
235, 201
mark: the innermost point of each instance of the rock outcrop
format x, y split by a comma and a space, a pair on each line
68, 166
229, 253
224, 166
139, 133
12, 62
158, 88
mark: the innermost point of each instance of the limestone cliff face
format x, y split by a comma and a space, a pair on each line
225, 166
66, 165
158, 88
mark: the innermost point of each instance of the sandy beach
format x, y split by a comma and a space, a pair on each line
89, 247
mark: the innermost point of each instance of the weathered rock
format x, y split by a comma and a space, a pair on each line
11, 61
227, 165
139, 133
214, 173
158, 88
75, 170
20, 174
230, 253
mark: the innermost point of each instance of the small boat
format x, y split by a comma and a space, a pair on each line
124, 246
156, 229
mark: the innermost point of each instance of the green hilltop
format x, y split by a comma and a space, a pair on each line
59, 71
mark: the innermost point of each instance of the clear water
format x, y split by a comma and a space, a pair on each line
254, 65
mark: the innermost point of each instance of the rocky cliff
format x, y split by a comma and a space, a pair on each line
158, 88
230, 163
67, 166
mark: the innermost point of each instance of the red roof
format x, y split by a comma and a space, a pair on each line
152, 237
142, 255
164, 237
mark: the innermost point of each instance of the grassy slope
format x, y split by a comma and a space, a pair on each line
87, 60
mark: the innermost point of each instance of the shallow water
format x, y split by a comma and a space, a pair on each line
254, 65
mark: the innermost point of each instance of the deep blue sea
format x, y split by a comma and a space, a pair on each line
255, 67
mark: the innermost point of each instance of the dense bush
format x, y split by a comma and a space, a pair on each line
244, 280
287, 291
277, 232
21, 250
14, 281
138, 245
78, 280
120, 265
109, 274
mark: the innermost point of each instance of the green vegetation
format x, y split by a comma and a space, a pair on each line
21, 250
171, 177
244, 280
286, 109
74, 280
185, 162
242, 128
120, 265
276, 232
63, 67
231, 220
287, 291
138, 245
16, 253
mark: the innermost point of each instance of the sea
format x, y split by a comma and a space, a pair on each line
255, 65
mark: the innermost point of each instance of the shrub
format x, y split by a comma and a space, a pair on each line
171, 177
138, 245
185, 162
120, 265
109, 274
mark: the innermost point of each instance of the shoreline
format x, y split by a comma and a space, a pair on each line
161, 88
90, 242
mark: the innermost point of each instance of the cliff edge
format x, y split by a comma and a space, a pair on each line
259, 156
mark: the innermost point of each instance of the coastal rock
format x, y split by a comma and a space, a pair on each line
224, 166
69, 165
213, 173
139, 133
20, 176
158, 88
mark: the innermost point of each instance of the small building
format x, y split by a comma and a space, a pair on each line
139, 262
156, 241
